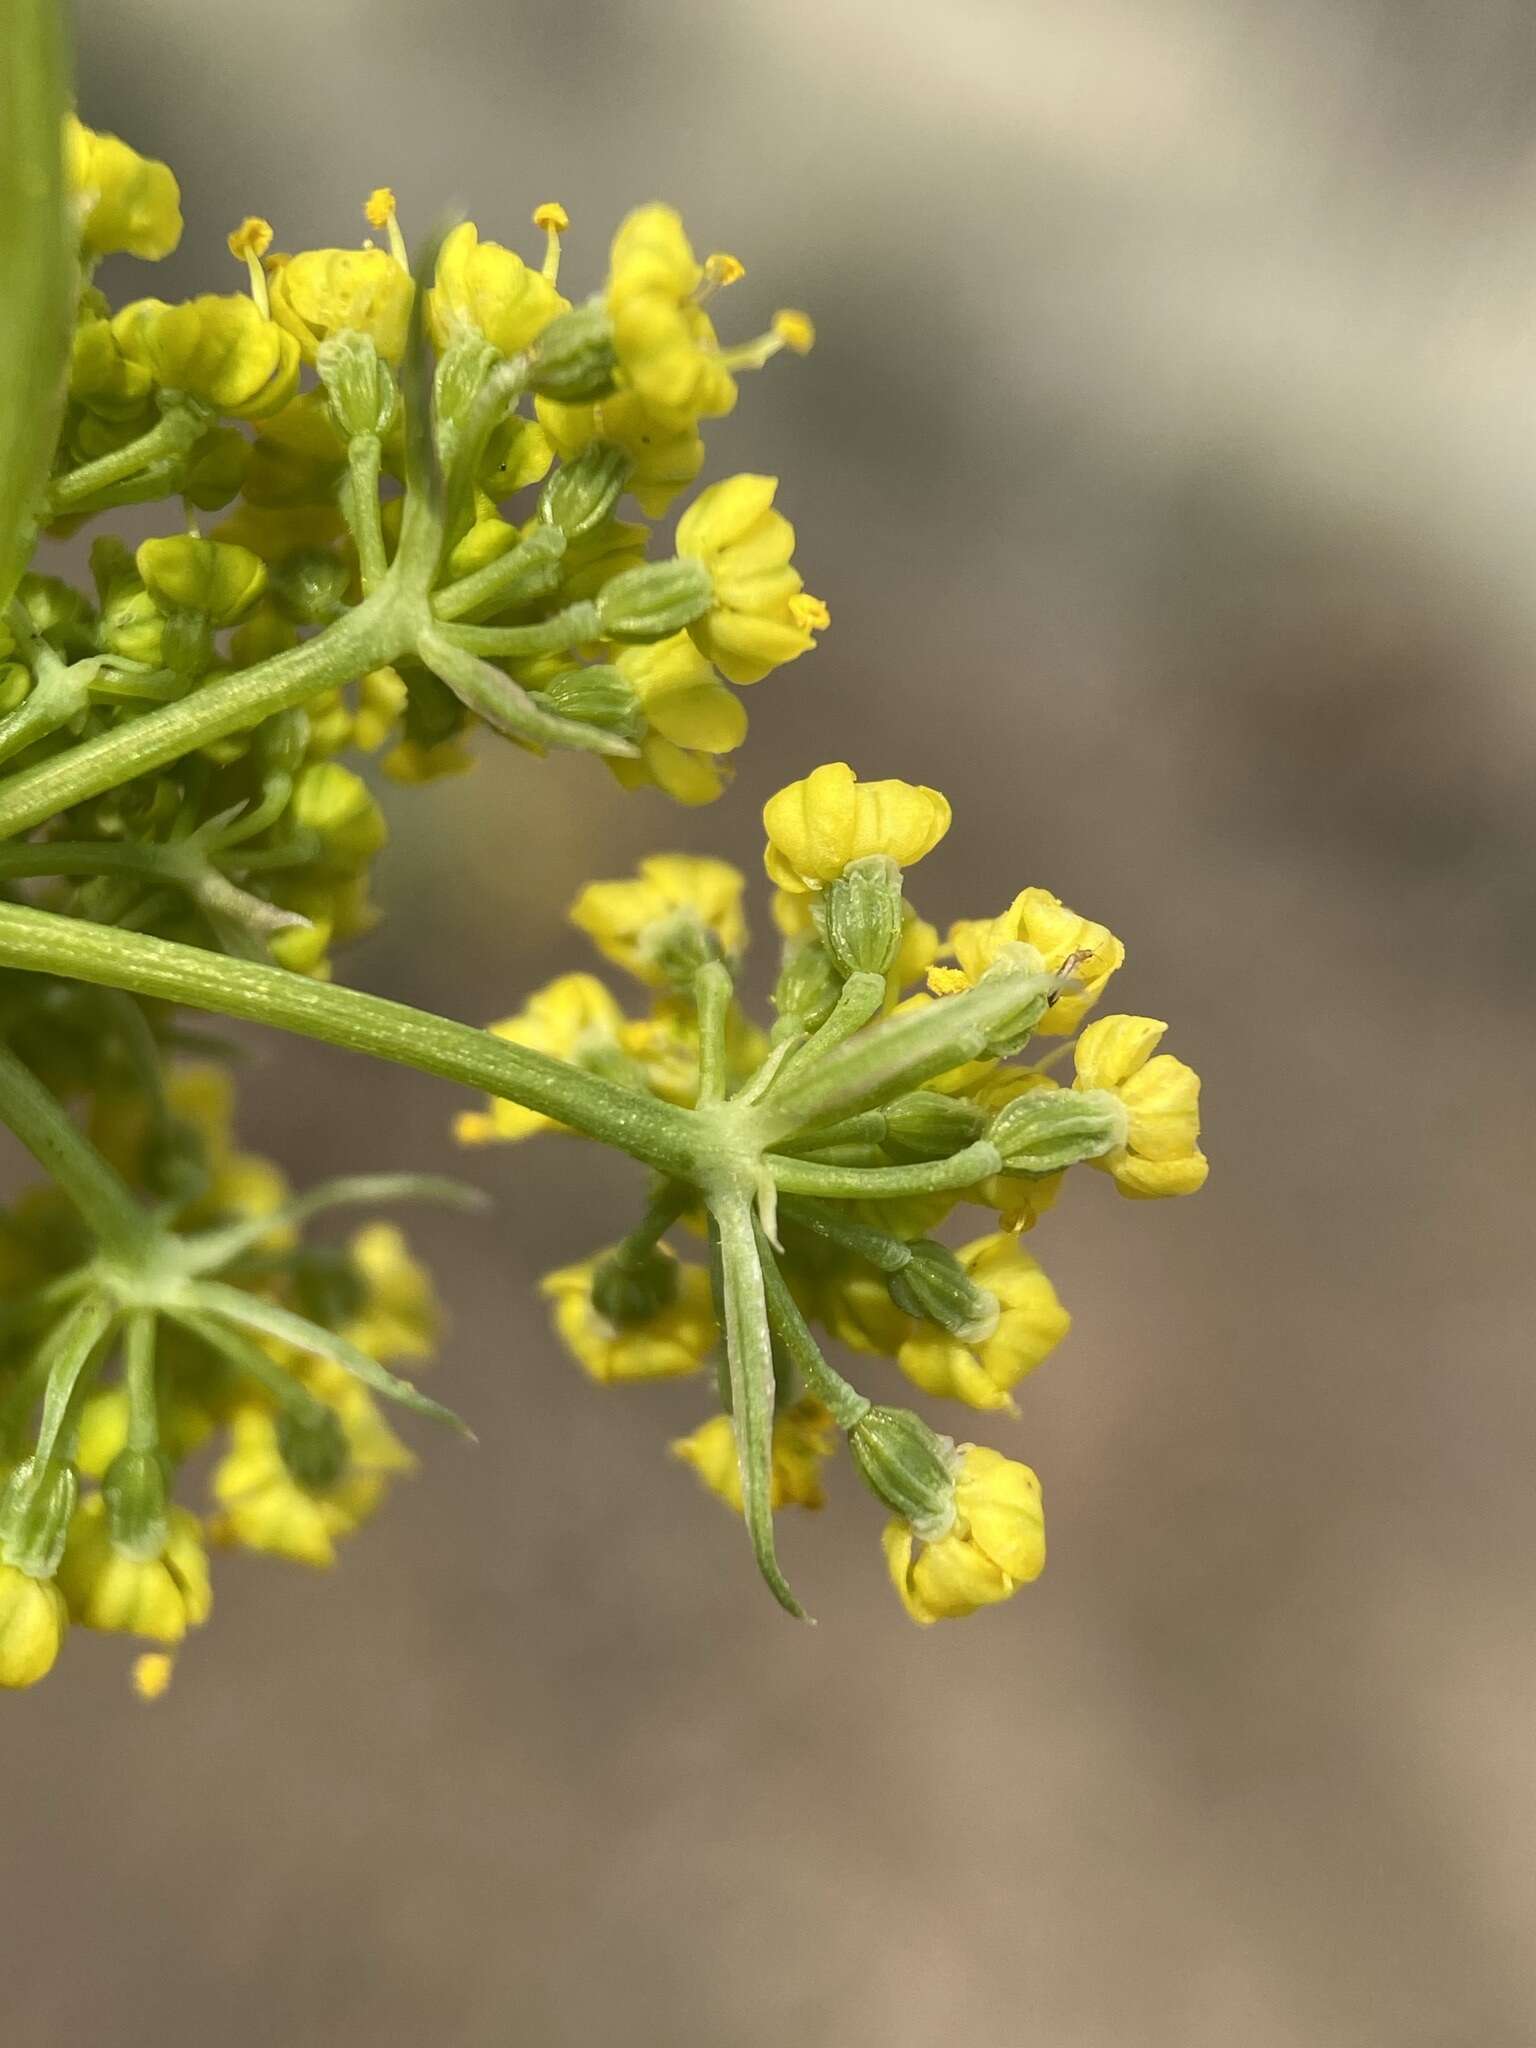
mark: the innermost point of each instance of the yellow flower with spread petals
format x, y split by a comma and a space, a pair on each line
817, 826
674, 1341
129, 204
804, 1437
633, 922
322, 292
222, 351
996, 1545
486, 288
663, 339
159, 1597
572, 1018
33, 1624
264, 1506
1040, 933
761, 616
1161, 1154
400, 1316
1031, 1323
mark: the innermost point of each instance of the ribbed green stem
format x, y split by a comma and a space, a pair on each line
883, 1183
45, 1127
845, 1403
172, 435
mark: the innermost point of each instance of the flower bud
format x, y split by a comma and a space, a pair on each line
134, 1488
599, 696
310, 585
1046, 1129
35, 1507
216, 468
654, 601
808, 986
1014, 1032
909, 1466
358, 383
313, 1444
462, 370
927, 1125
935, 1287
213, 578
132, 624
860, 915
573, 359
580, 495
627, 1291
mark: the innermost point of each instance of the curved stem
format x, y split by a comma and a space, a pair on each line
845, 1403
862, 1183
656, 1132
46, 1128
172, 435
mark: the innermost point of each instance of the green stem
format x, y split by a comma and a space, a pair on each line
143, 1433
712, 993
369, 637
360, 503
883, 1251
656, 1132
172, 435
525, 572
749, 1354
845, 1403
863, 1183
861, 999
71, 1347
45, 1127
554, 635
505, 705
902, 1052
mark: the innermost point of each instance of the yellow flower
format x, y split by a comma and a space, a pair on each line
761, 617
852, 1300
571, 1018
632, 923
339, 808
665, 459
129, 204
102, 378
224, 352
484, 287
400, 1316
1040, 933
996, 1545
1161, 1154
817, 826
264, 1506
322, 292
159, 1597
803, 1439
682, 697
33, 1623
663, 339
674, 1341
1031, 1323
183, 572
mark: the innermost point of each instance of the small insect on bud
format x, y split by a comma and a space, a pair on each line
1046, 1129
908, 1466
363, 394
860, 915
934, 1286
573, 358
927, 1125
628, 1290
580, 495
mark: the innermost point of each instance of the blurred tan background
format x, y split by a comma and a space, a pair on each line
1168, 464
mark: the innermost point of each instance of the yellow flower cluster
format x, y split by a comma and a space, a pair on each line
965, 1324
303, 1453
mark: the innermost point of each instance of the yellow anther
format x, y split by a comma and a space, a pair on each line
249, 243
554, 220
152, 1674
720, 269
809, 613
795, 330
379, 212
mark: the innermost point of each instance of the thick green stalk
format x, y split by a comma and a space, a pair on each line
37, 266
844, 1402
656, 1132
367, 638
45, 1127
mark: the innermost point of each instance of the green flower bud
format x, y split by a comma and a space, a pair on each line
312, 1443
573, 359
15, 685
627, 1290
358, 383
580, 495
860, 915
135, 1489
654, 601
216, 469
934, 1286
909, 1466
35, 1509
310, 585
808, 986
131, 623
927, 1125
461, 372
599, 696
1014, 1032
1046, 1129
